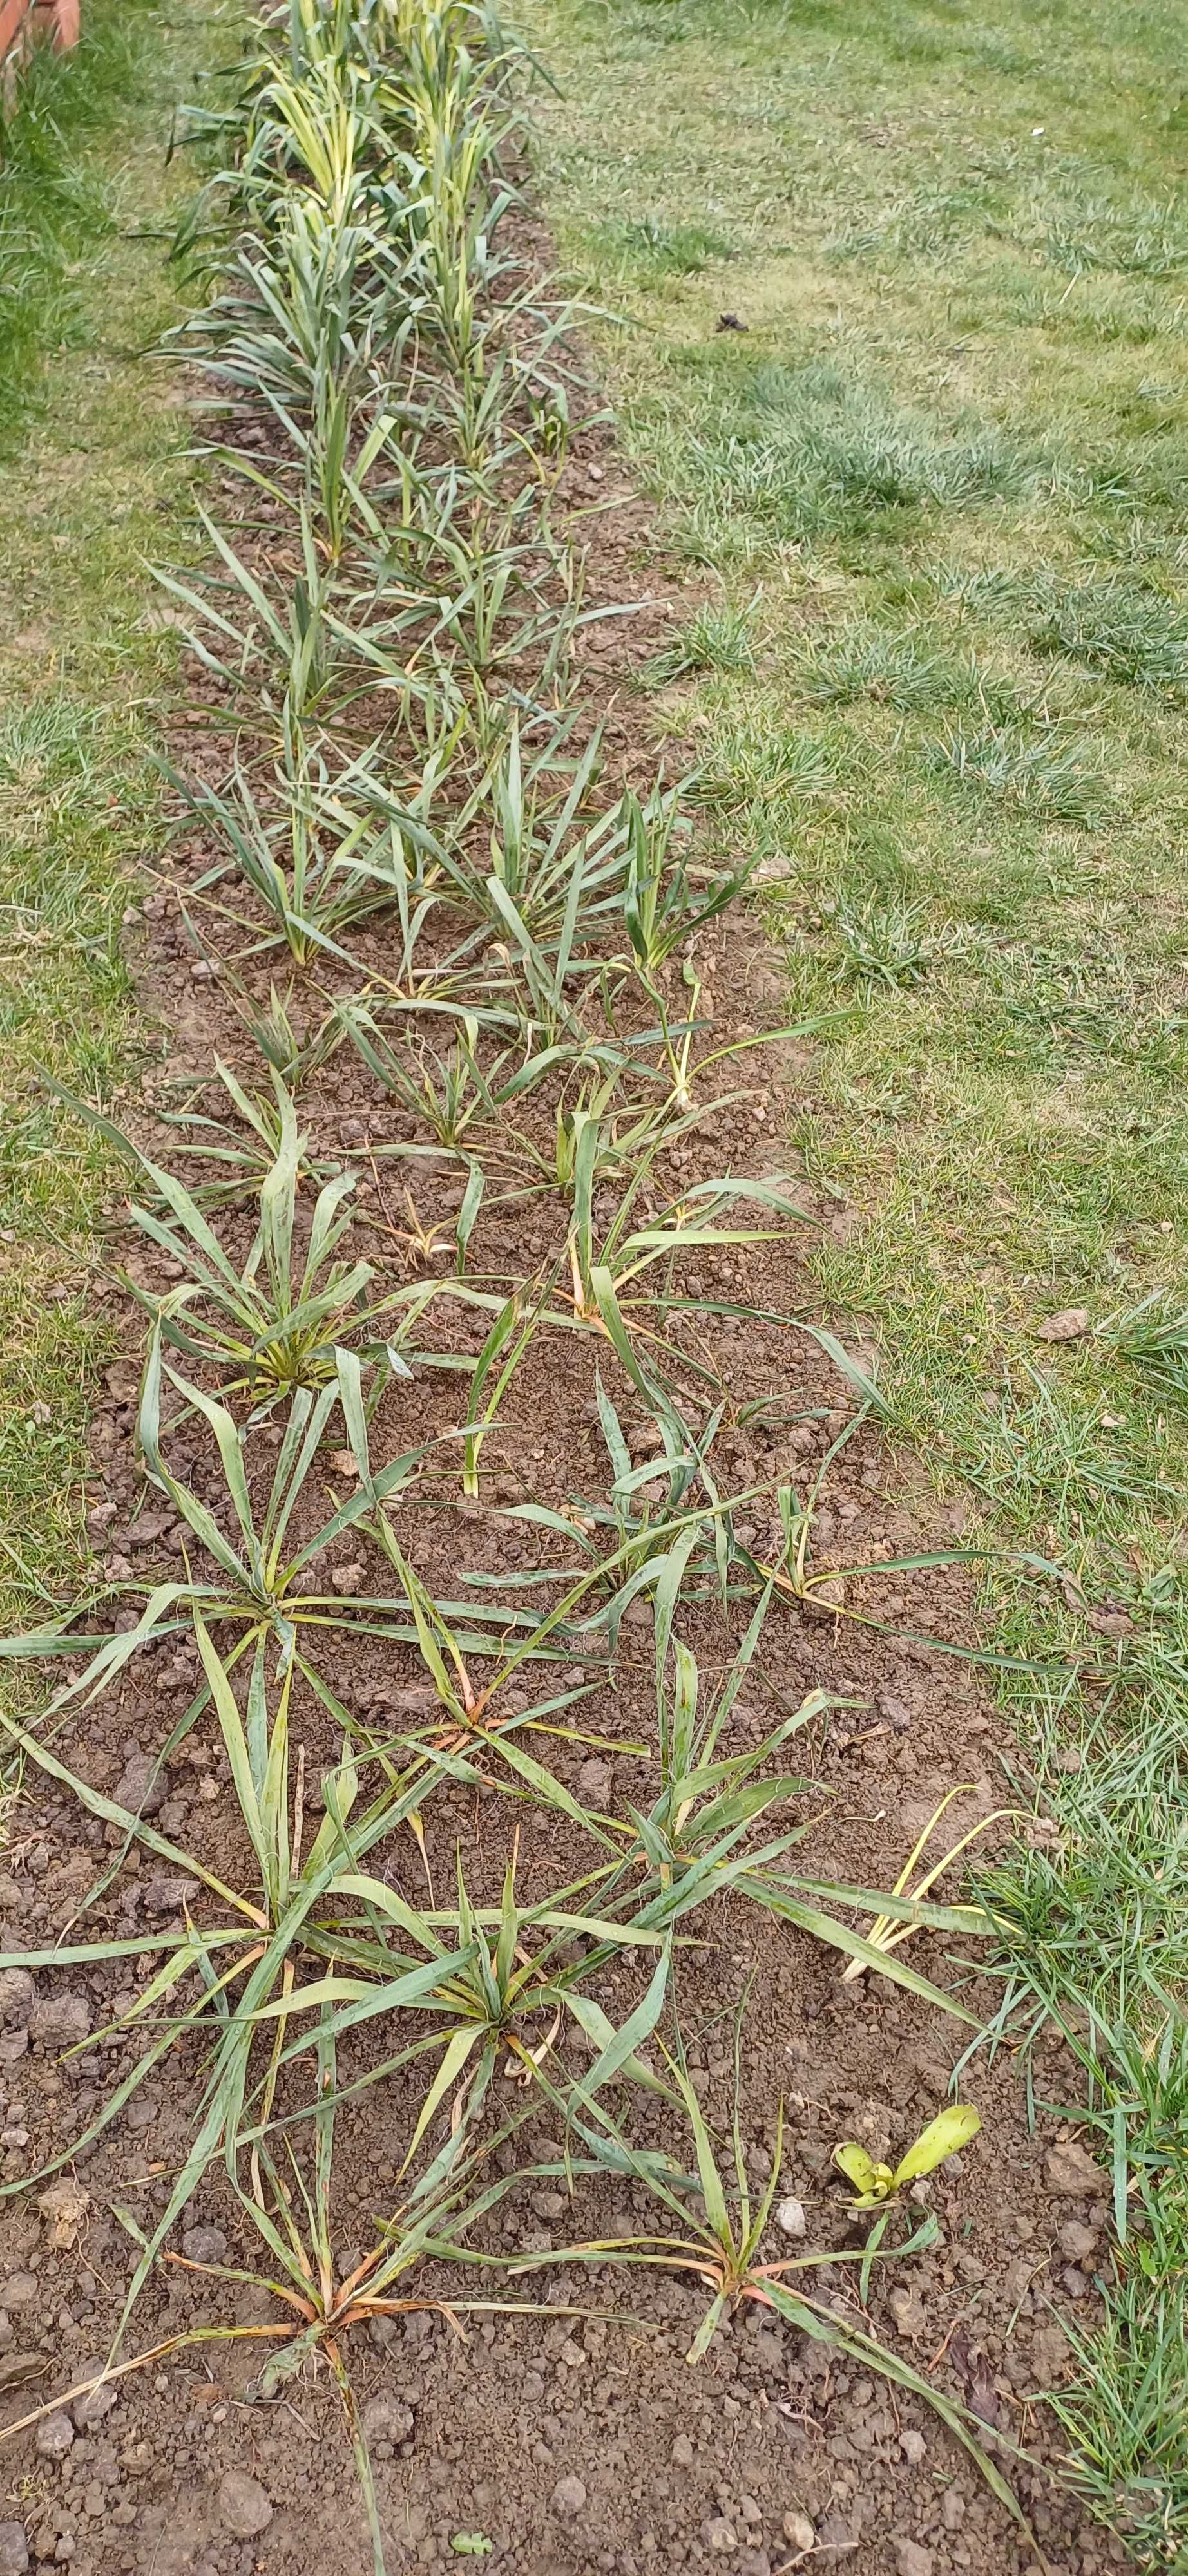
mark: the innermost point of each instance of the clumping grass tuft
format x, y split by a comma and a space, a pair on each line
658, 249
807, 451
1047, 778
716, 639
1136, 241
884, 941
1131, 635
763, 762
868, 661
1154, 1335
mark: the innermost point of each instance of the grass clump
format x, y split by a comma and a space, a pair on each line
807, 452
654, 248
867, 661
1045, 777
59, 201
1132, 636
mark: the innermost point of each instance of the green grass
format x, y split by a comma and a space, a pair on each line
91, 480
941, 475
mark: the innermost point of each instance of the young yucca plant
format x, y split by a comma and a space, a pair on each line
699, 1831
450, 1634
507, 1981
229, 1971
463, 1105
322, 2300
323, 863
887, 1932
685, 1069
545, 858
292, 1051
314, 2300
660, 904
254, 1578
723, 2250
608, 1259
710, 1799
282, 1319
295, 661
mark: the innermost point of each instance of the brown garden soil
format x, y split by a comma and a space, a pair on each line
578, 2441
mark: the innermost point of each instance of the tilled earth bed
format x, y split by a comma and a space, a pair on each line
579, 2439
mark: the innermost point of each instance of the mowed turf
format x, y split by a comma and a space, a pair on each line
93, 488
933, 494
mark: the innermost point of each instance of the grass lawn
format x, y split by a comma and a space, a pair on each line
90, 462
934, 498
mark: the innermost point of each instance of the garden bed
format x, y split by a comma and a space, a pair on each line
680, 1445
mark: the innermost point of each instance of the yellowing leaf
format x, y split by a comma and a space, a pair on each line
858, 2167
945, 2136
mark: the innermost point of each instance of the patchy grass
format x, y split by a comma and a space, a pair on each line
941, 471
91, 468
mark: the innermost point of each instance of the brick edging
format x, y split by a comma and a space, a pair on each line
25, 23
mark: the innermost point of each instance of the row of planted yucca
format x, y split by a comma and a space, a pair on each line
407, 801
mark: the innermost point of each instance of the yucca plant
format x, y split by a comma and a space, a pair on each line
660, 906
609, 1259
321, 863
292, 1051
231, 1979
507, 1984
314, 2301
282, 1318
723, 2251
319, 2302
254, 1578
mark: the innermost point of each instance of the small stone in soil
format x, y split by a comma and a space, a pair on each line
141, 1788
58, 2020
1079, 2243
385, 2419
682, 2452
17, 1993
721, 2535
569, 2496
90, 2409
166, 1895
1069, 2171
20, 2289
1049, 2354
244, 2507
910, 2559
798, 2531
55, 2433
14, 2549
791, 2218
908, 2312
204, 2245
913, 2446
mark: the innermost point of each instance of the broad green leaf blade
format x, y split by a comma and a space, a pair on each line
951, 2130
